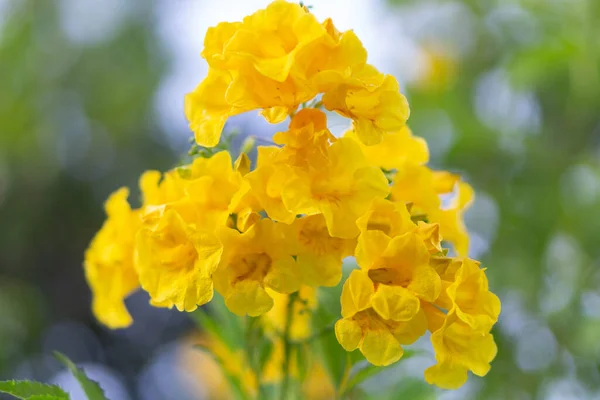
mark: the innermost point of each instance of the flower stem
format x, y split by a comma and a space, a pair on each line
287, 346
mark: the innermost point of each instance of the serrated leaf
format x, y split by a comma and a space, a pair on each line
92, 389
28, 390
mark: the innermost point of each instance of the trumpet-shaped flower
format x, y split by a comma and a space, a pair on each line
109, 262
471, 299
342, 191
252, 262
371, 99
459, 349
421, 187
363, 326
175, 261
202, 191
401, 266
318, 254
267, 182
306, 141
388, 217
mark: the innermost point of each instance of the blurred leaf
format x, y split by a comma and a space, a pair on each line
28, 390
218, 321
370, 371
303, 360
266, 349
410, 388
43, 397
234, 383
334, 357
92, 389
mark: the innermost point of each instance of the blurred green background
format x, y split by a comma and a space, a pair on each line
506, 92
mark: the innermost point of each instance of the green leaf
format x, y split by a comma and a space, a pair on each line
219, 322
334, 357
92, 389
28, 390
303, 360
43, 397
370, 371
266, 349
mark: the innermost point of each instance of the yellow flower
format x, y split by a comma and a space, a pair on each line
459, 349
430, 233
452, 226
203, 191
400, 266
318, 255
421, 187
342, 191
471, 299
393, 219
385, 216
306, 141
395, 149
175, 261
280, 57
363, 326
207, 109
109, 262
250, 67
371, 99
268, 41
253, 261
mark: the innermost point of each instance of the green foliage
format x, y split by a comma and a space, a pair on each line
92, 389
28, 390
234, 382
369, 371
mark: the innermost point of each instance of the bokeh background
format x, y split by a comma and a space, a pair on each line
506, 92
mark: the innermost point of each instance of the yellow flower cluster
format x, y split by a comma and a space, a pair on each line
256, 235
278, 58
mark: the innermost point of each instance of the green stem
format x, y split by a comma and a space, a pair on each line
346, 375
287, 346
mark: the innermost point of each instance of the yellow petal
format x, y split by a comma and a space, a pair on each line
248, 297
410, 331
320, 270
356, 293
348, 333
395, 303
446, 375
111, 313
426, 283
409, 249
380, 347
370, 248
283, 276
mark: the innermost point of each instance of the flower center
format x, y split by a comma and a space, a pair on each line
391, 276
250, 267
